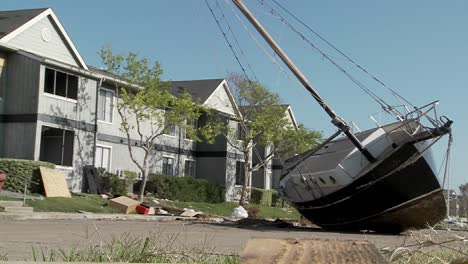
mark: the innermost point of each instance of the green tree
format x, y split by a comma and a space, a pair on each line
147, 108
262, 122
296, 140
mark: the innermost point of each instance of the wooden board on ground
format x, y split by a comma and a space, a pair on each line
54, 183
124, 204
268, 250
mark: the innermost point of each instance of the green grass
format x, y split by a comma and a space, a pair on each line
225, 209
84, 202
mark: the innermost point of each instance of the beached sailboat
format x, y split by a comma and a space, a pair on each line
381, 179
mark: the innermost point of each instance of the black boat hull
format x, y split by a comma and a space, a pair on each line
389, 198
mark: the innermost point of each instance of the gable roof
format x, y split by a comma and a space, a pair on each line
14, 22
199, 89
11, 20
287, 109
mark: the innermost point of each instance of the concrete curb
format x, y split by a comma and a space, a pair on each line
88, 216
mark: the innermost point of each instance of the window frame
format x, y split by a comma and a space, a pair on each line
239, 171
112, 105
62, 146
167, 128
172, 168
194, 167
195, 125
110, 155
54, 94
240, 133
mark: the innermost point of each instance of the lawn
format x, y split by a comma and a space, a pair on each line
96, 204
82, 202
225, 209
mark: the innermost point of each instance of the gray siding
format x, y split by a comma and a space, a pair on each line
22, 85
83, 109
19, 140
31, 40
83, 153
3, 78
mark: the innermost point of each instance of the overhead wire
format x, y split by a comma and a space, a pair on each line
218, 22
231, 47
395, 93
235, 39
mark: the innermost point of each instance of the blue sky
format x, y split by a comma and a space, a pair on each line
416, 47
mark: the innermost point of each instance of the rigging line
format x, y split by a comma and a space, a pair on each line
264, 50
223, 16
395, 93
226, 38
447, 161
244, 127
275, 62
382, 103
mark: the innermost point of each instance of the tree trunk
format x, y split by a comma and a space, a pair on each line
141, 191
243, 198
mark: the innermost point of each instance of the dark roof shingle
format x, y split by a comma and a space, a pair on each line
11, 20
199, 89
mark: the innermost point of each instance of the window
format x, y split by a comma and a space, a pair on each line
189, 168
170, 129
106, 105
168, 166
61, 84
103, 157
57, 146
192, 123
240, 172
240, 134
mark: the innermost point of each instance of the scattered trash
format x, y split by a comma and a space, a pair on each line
188, 212
105, 196
142, 209
162, 212
84, 212
240, 212
155, 201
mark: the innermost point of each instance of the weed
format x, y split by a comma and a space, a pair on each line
154, 248
429, 247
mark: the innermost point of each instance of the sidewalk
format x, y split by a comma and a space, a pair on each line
6, 216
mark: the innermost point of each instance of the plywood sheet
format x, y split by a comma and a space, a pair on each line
54, 183
269, 250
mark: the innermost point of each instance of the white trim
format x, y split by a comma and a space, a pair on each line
293, 118
110, 155
61, 167
114, 100
63, 98
47, 12
225, 85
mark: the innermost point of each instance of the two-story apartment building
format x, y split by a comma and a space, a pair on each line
56, 108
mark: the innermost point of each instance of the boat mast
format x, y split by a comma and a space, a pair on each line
336, 120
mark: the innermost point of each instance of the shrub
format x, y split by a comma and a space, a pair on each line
113, 183
185, 189
261, 196
253, 210
23, 171
277, 201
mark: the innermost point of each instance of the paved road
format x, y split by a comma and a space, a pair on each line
18, 237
